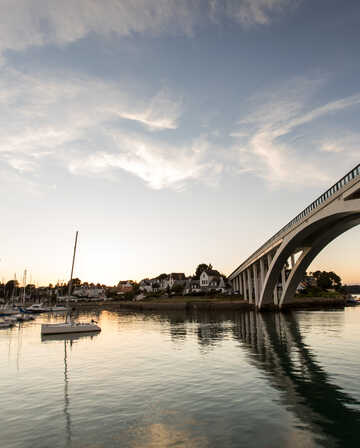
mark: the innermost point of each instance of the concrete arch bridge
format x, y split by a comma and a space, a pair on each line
271, 275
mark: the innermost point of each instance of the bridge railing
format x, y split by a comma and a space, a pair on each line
355, 172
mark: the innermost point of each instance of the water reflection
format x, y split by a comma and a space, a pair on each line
68, 339
290, 365
197, 378
276, 347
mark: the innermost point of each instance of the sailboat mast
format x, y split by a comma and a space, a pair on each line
24, 284
73, 261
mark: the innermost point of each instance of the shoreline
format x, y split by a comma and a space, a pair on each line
194, 303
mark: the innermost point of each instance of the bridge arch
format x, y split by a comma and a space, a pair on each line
310, 239
259, 277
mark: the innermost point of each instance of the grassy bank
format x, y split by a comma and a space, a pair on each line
304, 302
211, 303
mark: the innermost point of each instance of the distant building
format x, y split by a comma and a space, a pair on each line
192, 285
125, 286
146, 285
176, 279
162, 282
88, 292
208, 280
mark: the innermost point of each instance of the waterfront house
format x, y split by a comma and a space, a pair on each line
125, 286
176, 279
146, 285
89, 292
212, 279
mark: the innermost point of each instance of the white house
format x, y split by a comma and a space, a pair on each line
212, 279
89, 292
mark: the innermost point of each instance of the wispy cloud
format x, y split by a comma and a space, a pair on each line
159, 165
256, 12
162, 112
82, 124
53, 22
40, 114
265, 139
347, 144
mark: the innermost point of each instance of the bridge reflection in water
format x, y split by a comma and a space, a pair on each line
291, 367
276, 347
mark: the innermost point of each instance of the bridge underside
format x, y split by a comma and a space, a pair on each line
273, 278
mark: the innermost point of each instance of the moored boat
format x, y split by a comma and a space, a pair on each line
38, 308
58, 308
7, 310
69, 327
6, 323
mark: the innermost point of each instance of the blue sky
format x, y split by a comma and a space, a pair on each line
170, 132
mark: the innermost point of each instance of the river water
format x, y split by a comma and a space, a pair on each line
225, 379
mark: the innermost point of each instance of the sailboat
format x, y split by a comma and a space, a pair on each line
69, 326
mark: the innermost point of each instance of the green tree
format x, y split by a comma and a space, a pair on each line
202, 267
327, 280
135, 287
11, 288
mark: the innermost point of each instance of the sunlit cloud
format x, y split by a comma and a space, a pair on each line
43, 22
158, 165
76, 122
347, 144
265, 145
21, 164
255, 12
51, 116
162, 112
331, 147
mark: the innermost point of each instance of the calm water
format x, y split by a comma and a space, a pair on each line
185, 380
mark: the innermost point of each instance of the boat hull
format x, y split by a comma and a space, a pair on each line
6, 324
69, 328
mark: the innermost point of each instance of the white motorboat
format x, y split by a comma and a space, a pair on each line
38, 308
69, 327
7, 310
58, 308
11, 319
6, 324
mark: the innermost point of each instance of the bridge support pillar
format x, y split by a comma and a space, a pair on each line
276, 301
256, 283
283, 278
262, 273
240, 284
292, 261
245, 285
249, 285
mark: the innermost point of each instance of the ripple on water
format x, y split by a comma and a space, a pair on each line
176, 379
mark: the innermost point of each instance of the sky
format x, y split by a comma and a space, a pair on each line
170, 132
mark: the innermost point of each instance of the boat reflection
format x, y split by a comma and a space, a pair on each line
71, 337
68, 339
